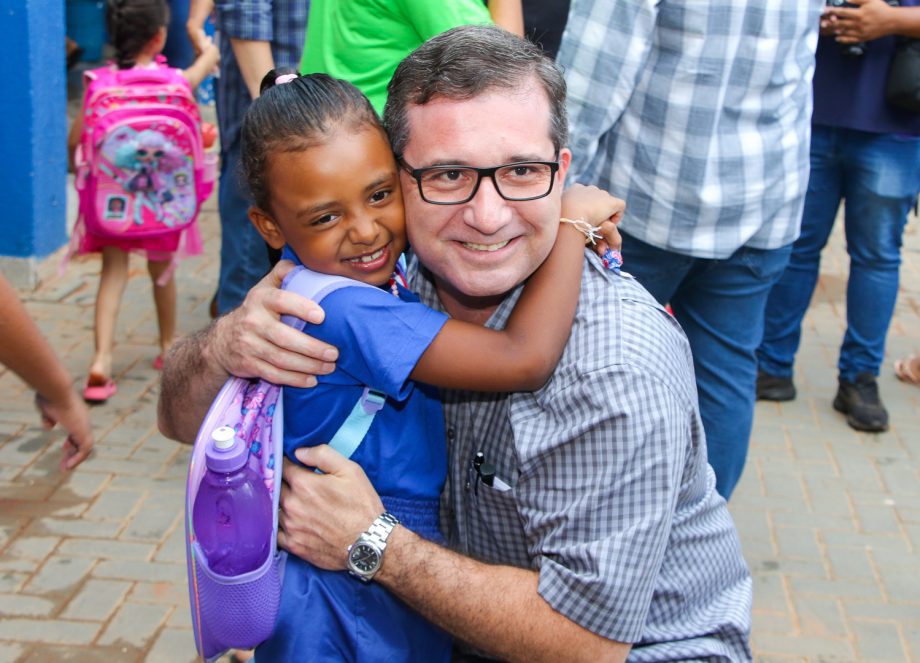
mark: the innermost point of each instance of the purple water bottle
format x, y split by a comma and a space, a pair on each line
232, 515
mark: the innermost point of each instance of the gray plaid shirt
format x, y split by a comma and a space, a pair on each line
609, 495
283, 23
697, 112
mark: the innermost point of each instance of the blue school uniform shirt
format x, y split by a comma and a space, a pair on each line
326, 615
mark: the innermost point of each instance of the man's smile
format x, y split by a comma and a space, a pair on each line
485, 247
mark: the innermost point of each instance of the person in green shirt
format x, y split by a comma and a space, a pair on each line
362, 41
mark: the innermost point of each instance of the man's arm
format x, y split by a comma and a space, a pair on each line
494, 608
254, 59
250, 341
248, 26
508, 14
198, 12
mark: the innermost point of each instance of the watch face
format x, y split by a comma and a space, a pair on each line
364, 558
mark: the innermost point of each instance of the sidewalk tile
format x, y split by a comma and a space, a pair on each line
97, 600
48, 630
134, 625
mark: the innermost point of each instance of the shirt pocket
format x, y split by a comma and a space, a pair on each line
496, 533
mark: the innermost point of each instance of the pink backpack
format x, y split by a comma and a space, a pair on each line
141, 166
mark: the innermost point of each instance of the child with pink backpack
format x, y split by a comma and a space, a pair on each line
141, 172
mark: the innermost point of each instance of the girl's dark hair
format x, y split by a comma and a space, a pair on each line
295, 115
133, 23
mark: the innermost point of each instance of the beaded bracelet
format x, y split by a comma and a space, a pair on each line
612, 258
585, 228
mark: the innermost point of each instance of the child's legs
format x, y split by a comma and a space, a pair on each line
111, 287
164, 297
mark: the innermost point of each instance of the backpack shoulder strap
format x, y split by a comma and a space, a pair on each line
316, 286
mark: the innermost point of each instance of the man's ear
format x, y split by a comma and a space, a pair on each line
565, 160
266, 226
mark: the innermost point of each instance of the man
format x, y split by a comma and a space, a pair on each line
866, 151
582, 518
697, 114
255, 36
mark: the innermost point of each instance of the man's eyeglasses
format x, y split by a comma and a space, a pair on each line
455, 185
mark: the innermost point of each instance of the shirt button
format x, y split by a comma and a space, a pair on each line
467, 485
450, 434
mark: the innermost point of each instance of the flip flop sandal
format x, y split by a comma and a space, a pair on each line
98, 388
158, 363
904, 372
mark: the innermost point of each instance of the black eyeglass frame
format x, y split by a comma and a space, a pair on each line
417, 173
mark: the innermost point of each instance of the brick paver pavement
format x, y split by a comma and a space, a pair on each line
92, 563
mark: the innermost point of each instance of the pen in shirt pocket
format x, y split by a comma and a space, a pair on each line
485, 472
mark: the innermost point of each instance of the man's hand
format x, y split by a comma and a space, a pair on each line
198, 13
251, 341
870, 20
322, 514
73, 416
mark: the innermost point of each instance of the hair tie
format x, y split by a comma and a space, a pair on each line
285, 78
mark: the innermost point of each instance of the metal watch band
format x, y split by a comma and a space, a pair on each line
380, 529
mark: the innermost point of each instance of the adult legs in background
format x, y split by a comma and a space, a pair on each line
720, 305
789, 298
883, 177
243, 256
164, 298
877, 175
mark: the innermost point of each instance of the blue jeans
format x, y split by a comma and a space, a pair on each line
720, 305
243, 252
878, 175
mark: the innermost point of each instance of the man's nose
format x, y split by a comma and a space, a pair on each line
487, 212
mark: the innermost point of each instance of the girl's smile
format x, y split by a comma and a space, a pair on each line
337, 204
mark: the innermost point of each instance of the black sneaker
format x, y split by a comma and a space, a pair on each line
774, 388
859, 400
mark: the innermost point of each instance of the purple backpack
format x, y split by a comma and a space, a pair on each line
240, 611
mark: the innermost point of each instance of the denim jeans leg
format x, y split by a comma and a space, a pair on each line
657, 270
883, 176
243, 256
790, 296
720, 305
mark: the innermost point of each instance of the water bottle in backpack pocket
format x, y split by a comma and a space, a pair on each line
232, 514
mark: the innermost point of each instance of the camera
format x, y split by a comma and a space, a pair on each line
858, 49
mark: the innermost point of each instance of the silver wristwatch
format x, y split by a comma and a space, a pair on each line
365, 555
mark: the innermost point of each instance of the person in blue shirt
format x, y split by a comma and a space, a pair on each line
866, 152
326, 189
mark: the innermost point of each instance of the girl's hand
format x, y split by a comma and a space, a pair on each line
73, 416
602, 211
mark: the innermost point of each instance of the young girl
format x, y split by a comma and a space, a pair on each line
137, 29
326, 188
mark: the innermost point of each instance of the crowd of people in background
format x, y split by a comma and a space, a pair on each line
733, 132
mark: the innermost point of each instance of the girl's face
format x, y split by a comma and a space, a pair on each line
338, 205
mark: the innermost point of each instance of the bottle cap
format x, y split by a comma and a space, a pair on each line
223, 437
226, 452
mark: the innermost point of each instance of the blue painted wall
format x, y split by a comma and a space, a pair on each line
33, 131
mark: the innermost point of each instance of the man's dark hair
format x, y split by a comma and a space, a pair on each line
465, 62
